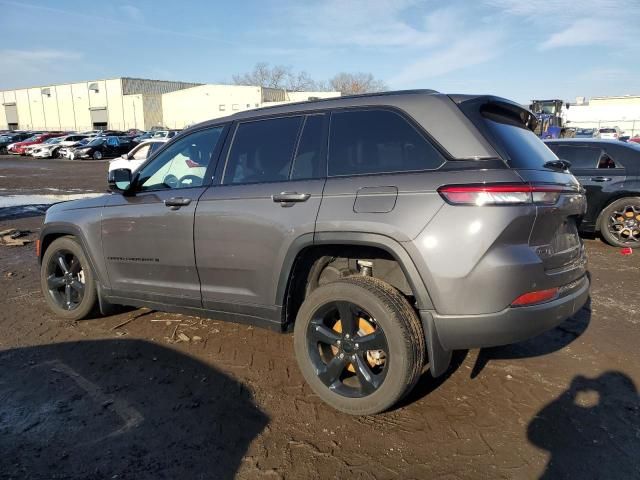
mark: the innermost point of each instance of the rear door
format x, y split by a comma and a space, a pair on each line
268, 196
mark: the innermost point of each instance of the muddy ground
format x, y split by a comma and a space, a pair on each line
145, 394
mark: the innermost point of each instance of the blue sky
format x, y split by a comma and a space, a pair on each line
520, 49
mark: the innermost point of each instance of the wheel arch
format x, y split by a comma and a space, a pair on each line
609, 201
308, 248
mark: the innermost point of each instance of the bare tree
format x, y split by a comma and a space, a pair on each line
280, 76
354, 83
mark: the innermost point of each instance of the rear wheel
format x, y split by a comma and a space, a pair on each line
359, 344
620, 223
67, 281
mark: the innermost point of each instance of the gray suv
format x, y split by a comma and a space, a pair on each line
385, 230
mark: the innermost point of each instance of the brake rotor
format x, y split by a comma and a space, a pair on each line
375, 357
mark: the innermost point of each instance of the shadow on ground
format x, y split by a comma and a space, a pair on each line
592, 430
548, 342
127, 408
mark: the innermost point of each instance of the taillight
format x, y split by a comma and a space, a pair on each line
500, 194
533, 298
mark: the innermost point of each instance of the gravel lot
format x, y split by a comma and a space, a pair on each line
145, 394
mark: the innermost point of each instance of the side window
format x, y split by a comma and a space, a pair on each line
154, 146
607, 161
183, 164
309, 161
141, 153
262, 151
579, 157
377, 141
112, 141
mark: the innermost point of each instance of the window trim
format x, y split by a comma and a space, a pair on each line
208, 179
410, 121
325, 147
232, 137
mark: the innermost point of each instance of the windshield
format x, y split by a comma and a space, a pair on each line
96, 141
584, 131
607, 130
4, 138
31, 139
52, 140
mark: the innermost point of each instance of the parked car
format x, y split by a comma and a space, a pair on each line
585, 133
112, 133
8, 139
165, 133
51, 148
20, 147
609, 170
49, 142
610, 133
142, 137
102, 147
138, 155
334, 219
65, 152
634, 139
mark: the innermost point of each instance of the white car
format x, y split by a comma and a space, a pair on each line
52, 149
611, 133
137, 156
47, 144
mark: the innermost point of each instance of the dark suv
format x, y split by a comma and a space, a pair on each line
386, 230
609, 170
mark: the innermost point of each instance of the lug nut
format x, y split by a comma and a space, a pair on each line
357, 346
339, 342
342, 355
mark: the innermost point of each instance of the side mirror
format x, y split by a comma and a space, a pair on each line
119, 180
125, 156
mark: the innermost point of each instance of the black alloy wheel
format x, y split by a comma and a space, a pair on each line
348, 349
65, 279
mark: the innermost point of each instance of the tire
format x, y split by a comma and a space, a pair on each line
55, 290
623, 229
403, 339
97, 155
3, 151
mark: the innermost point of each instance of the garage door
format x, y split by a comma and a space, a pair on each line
99, 116
11, 111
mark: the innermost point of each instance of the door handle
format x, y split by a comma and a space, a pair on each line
600, 179
289, 197
176, 202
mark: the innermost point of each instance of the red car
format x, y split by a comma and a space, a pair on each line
18, 148
634, 140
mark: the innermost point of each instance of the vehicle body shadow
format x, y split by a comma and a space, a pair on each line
428, 383
120, 408
592, 430
543, 344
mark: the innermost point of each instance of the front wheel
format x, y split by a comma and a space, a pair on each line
620, 223
359, 344
97, 155
67, 280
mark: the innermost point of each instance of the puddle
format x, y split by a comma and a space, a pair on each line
18, 206
47, 199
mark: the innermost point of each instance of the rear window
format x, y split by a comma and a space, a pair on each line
607, 130
507, 133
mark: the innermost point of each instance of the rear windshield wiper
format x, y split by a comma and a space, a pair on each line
558, 164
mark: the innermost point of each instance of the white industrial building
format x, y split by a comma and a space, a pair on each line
126, 103
597, 112
182, 108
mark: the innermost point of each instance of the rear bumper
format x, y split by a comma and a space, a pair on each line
513, 324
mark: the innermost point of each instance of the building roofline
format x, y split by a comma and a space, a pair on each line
100, 80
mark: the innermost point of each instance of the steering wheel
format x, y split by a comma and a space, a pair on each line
190, 181
171, 181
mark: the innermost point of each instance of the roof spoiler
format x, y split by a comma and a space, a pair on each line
497, 106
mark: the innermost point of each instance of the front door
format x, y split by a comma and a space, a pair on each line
269, 196
148, 236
